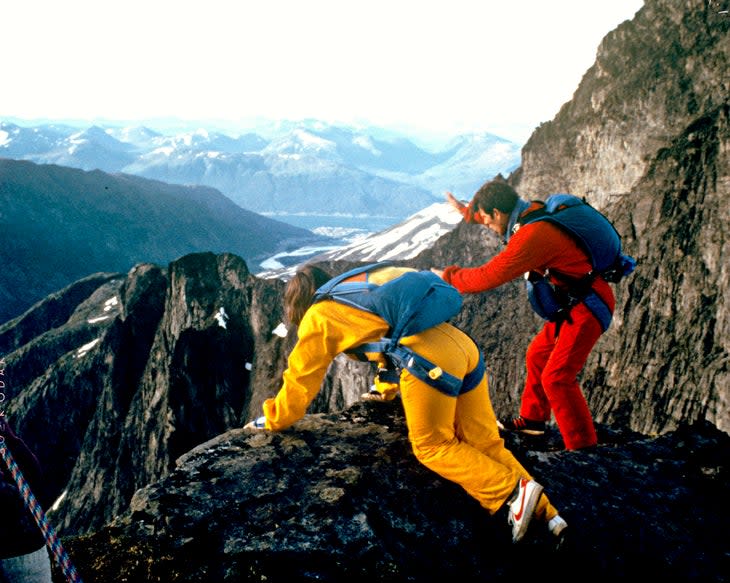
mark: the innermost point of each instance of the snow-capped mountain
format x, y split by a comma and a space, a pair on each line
92, 149
360, 149
22, 142
199, 140
402, 241
304, 170
138, 136
476, 158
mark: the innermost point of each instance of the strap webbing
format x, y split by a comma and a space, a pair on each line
31, 503
423, 369
599, 309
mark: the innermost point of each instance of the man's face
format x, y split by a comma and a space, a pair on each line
497, 221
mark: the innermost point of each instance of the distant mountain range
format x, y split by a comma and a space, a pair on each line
60, 224
307, 168
100, 199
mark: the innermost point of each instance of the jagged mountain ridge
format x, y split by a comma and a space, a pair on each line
60, 224
652, 79
311, 168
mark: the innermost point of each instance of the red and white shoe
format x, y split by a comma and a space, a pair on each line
522, 507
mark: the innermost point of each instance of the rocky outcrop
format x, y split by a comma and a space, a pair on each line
653, 77
53, 311
53, 380
180, 358
144, 367
340, 497
667, 360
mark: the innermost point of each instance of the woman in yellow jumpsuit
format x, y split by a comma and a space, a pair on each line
455, 436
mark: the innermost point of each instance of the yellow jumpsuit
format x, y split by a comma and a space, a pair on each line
456, 437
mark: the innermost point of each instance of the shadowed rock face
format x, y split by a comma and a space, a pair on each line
144, 369
341, 497
665, 359
646, 138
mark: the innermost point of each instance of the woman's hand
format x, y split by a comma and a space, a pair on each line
258, 424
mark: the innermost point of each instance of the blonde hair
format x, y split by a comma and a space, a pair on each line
300, 290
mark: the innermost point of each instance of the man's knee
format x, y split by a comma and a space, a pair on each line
558, 379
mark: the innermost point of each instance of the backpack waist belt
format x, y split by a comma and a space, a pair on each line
426, 371
554, 304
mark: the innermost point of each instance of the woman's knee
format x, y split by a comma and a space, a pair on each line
430, 449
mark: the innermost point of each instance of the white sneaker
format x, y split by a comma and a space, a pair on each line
556, 525
522, 507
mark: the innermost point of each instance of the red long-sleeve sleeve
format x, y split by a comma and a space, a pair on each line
534, 247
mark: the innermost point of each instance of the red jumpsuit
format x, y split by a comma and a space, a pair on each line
558, 353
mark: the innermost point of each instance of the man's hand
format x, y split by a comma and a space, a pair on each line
457, 204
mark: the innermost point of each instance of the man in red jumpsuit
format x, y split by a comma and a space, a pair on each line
559, 351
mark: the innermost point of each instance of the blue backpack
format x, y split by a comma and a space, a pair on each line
602, 243
410, 303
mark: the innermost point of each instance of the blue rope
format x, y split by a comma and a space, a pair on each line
31, 503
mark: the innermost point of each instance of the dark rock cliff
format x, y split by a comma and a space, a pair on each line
145, 368
653, 77
340, 497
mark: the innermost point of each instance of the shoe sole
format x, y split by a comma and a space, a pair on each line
525, 431
531, 431
370, 397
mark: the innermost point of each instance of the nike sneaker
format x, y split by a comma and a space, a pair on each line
522, 507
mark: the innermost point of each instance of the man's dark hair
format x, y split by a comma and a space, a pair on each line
495, 194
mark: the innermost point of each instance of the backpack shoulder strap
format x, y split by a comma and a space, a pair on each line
410, 303
325, 291
595, 234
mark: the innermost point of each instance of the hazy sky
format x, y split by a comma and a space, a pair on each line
502, 66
